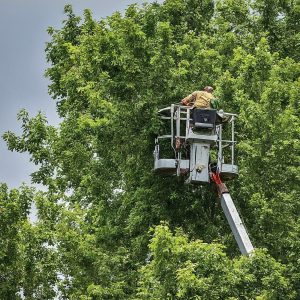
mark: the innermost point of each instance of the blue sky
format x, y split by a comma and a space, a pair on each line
23, 34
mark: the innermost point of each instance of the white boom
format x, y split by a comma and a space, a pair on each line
237, 227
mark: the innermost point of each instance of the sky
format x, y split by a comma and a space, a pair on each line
23, 36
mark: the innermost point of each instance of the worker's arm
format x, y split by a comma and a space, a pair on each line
189, 100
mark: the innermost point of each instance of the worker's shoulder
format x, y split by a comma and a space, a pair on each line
197, 92
203, 93
207, 95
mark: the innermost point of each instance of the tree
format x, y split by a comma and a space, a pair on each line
109, 78
180, 269
14, 207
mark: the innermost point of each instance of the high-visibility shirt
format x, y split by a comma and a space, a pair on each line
199, 99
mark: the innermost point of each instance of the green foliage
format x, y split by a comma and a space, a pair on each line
179, 269
14, 207
108, 78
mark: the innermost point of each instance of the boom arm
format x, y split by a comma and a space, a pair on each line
237, 227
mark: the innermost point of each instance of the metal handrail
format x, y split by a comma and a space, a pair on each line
176, 112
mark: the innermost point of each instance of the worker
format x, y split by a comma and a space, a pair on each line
201, 99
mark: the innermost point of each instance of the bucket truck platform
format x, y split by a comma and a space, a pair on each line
199, 145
